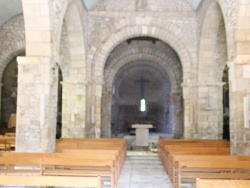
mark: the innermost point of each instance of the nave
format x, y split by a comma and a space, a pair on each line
143, 170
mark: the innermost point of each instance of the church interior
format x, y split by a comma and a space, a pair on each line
143, 71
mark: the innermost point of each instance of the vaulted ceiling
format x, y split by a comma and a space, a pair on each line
10, 8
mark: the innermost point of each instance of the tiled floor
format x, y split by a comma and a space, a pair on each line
143, 170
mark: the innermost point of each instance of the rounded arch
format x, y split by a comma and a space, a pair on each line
71, 9
228, 12
212, 59
156, 57
14, 44
159, 55
127, 31
137, 65
72, 61
13, 51
124, 105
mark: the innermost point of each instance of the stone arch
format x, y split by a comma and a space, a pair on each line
73, 65
159, 58
173, 70
212, 61
125, 32
14, 44
11, 45
139, 27
163, 121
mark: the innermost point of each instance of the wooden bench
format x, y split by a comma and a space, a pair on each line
163, 144
119, 145
10, 134
4, 146
166, 156
211, 183
227, 169
50, 165
119, 162
173, 169
18, 180
11, 141
101, 165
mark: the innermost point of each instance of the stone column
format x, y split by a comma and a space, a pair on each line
36, 104
96, 100
210, 113
178, 115
1, 88
73, 110
189, 107
239, 84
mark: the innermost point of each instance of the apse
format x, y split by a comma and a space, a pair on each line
141, 95
142, 84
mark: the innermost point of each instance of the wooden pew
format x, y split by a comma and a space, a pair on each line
56, 166
95, 158
10, 134
9, 140
119, 162
171, 149
110, 170
166, 156
163, 143
176, 159
108, 144
4, 146
212, 183
227, 169
18, 180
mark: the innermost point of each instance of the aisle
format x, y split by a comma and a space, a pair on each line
143, 170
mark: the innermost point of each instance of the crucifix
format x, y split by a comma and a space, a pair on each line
142, 81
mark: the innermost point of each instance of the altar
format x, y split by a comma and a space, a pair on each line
142, 134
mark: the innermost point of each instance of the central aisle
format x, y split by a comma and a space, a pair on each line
143, 170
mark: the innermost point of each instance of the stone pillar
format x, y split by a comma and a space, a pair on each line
73, 110
96, 101
178, 115
210, 113
36, 104
189, 107
1, 88
239, 84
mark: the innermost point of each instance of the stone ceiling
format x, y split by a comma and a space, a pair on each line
10, 8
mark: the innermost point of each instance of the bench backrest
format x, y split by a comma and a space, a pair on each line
210, 183
237, 165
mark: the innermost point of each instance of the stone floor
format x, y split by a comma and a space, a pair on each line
143, 170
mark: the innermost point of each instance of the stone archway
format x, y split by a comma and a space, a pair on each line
212, 61
12, 46
73, 66
132, 58
123, 33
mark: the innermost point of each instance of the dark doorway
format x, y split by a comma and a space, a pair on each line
226, 114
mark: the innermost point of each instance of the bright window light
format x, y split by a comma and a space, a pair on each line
142, 105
